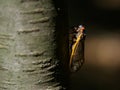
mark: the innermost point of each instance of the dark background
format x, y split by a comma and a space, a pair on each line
101, 18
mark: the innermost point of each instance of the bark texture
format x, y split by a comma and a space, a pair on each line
27, 45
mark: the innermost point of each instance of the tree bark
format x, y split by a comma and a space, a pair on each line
28, 59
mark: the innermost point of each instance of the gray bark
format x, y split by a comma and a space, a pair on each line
27, 45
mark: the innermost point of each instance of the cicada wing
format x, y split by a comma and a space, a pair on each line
78, 57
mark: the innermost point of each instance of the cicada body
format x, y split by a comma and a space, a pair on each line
76, 48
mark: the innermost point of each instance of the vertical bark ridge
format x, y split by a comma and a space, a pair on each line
27, 57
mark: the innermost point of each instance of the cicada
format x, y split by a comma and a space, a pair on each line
76, 47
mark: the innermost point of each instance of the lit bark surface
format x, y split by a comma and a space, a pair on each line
27, 45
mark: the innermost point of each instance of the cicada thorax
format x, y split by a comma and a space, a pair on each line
76, 48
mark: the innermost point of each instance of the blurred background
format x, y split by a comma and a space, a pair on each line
101, 18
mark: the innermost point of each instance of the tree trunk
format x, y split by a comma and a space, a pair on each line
28, 59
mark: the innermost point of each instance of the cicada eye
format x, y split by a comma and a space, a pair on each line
75, 28
80, 26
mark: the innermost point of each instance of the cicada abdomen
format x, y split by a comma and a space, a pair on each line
76, 48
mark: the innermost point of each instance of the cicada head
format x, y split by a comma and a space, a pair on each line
76, 48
